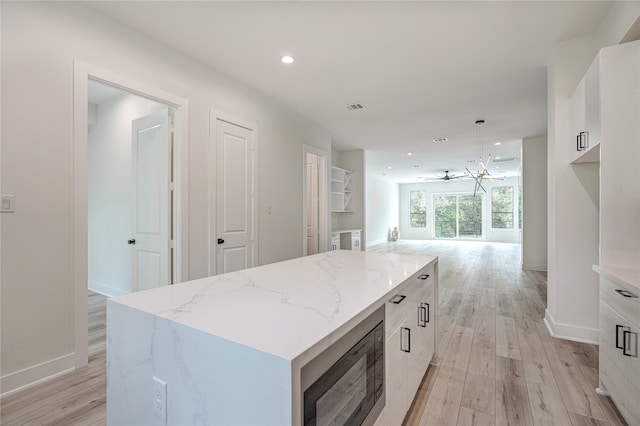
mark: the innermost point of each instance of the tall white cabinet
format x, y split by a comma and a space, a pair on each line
619, 268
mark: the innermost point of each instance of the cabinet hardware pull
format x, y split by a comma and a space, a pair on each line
398, 299
422, 316
131, 241
408, 330
428, 311
618, 346
220, 241
423, 276
578, 142
626, 293
626, 344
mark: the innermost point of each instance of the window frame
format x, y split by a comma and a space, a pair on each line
457, 195
411, 212
512, 211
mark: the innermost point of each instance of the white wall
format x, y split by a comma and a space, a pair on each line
40, 42
462, 186
534, 203
382, 208
110, 221
573, 208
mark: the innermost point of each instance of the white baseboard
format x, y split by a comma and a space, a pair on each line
571, 332
22, 379
373, 243
105, 289
541, 268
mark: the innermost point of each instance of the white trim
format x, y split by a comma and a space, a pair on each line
82, 72
25, 378
570, 332
323, 216
373, 243
214, 116
541, 268
105, 289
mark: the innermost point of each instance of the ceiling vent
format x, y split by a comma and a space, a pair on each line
354, 107
502, 160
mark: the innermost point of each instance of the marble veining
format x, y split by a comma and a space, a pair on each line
284, 308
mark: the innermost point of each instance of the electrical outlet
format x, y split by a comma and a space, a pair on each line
160, 398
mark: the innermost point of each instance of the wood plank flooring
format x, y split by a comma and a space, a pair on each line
496, 364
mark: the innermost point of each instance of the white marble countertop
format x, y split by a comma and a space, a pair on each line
626, 276
283, 308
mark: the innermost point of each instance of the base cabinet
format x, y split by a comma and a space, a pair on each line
410, 344
619, 362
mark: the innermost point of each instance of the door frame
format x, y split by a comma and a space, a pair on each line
214, 116
82, 72
323, 217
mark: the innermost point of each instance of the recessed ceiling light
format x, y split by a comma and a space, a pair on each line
498, 143
409, 153
388, 167
440, 140
287, 59
497, 158
416, 165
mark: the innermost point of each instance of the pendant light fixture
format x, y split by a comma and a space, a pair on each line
482, 166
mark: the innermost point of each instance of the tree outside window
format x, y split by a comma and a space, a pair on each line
502, 207
418, 209
457, 216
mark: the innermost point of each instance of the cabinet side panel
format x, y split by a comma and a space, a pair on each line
620, 156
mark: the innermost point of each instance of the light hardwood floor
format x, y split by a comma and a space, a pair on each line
497, 364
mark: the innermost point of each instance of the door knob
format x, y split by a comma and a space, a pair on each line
220, 241
131, 241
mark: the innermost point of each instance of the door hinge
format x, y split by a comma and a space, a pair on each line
171, 244
171, 186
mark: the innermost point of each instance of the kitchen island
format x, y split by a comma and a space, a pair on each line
229, 349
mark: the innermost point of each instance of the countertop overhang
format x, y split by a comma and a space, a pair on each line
285, 308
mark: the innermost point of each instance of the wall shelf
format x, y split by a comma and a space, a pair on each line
341, 190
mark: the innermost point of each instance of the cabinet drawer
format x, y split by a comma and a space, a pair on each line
355, 234
625, 300
396, 309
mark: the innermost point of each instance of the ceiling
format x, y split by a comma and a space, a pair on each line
422, 69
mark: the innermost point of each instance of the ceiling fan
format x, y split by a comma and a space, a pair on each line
447, 177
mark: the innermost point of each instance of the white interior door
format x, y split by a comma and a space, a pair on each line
151, 177
312, 204
235, 209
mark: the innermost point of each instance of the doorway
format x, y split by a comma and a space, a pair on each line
174, 220
129, 195
315, 216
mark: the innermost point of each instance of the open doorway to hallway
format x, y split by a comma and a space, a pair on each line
129, 193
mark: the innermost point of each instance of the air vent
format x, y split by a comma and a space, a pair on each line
502, 160
440, 140
356, 106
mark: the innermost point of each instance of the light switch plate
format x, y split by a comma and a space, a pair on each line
7, 204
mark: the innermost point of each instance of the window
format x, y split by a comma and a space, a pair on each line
502, 207
457, 216
418, 209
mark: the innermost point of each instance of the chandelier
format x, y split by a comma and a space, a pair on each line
482, 171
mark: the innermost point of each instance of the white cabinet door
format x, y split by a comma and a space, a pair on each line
619, 362
610, 354
421, 322
396, 396
576, 120
632, 373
